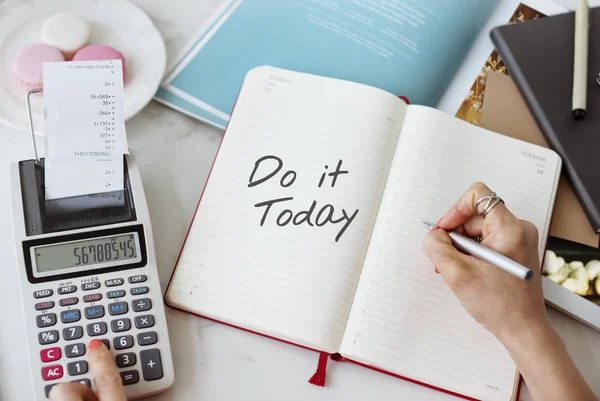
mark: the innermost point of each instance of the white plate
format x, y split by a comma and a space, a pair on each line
117, 23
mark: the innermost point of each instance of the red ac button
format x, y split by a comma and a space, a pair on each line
50, 354
52, 372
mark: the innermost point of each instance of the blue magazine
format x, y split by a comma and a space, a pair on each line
410, 48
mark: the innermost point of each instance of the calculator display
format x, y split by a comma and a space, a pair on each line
97, 251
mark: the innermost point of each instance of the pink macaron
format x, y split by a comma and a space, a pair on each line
100, 52
28, 65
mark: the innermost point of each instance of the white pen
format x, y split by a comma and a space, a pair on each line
580, 70
473, 248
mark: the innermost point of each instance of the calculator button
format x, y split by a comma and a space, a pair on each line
70, 316
49, 319
72, 332
44, 305
120, 325
115, 294
127, 359
83, 381
43, 293
123, 342
48, 388
52, 372
67, 289
96, 329
142, 322
92, 297
130, 377
48, 337
68, 301
151, 364
77, 368
106, 343
113, 282
94, 312
137, 279
118, 308
90, 286
139, 290
147, 338
50, 354
141, 305
75, 350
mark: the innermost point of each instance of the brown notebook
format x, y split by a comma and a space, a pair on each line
539, 57
504, 111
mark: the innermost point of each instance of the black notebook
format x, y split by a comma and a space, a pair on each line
539, 56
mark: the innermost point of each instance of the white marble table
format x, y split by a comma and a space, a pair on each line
212, 362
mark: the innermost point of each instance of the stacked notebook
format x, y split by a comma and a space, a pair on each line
309, 228
543, 71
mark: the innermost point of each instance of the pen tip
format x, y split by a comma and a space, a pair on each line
428, 224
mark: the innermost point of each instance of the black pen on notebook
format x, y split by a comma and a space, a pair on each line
473, 248
580, 68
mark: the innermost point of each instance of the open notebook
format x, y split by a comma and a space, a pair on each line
309, 228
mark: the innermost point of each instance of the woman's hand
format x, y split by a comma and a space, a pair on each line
510, 308
108, 381
499, 301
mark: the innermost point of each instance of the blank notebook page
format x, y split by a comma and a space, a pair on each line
404, 319
293, 282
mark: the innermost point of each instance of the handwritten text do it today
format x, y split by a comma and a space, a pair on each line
326, 214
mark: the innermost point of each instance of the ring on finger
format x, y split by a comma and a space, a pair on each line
492, 200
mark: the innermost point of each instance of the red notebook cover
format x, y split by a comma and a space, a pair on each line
319, 376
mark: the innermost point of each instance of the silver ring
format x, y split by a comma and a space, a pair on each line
492, 200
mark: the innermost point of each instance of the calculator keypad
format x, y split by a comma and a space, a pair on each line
50, 354
72, 332
47, 320
120, 325
70, 315
126, 359
52, 372
139, 290
77, 368
92, 297
96, 329
141, 305
123, 342
147, 338
114, 282
118, 308
67, 289
44, 305
137, 279
130, 377
133, 353
94, 285
83, 381
48, 337
94, 312
151, 364
115, 294
75, 350
43, 293
145, 321
68, 301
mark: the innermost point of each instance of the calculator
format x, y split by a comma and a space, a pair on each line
87, 271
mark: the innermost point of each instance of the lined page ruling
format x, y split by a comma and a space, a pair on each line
404, 319
281, 231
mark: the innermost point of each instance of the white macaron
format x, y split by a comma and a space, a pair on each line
66, 31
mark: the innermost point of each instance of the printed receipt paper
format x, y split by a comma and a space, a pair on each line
84, 128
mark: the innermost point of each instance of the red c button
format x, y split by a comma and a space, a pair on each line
50, 354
